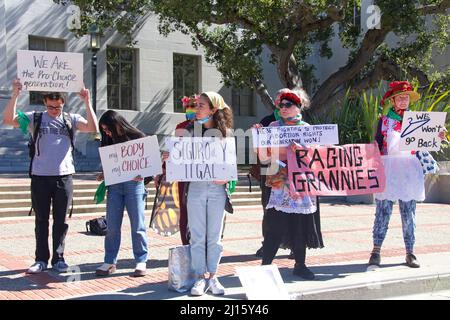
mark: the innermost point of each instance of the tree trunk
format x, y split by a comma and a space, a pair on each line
371, 41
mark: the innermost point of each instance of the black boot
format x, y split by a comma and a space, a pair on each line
375, 259
303, 272
411, 261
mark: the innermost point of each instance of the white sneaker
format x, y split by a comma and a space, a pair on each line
141, 270
199, 287
141, 266
216, 287
37, 267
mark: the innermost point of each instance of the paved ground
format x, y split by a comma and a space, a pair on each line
340, 267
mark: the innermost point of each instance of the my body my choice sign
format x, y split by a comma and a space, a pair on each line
201, 159
124, 161
50, 70
326, 134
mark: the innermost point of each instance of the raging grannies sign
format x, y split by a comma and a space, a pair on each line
351, 169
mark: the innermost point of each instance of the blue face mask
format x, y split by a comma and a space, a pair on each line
204, 120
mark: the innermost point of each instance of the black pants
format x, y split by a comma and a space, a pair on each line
57, 191
278, 224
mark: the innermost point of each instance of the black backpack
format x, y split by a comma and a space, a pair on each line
37, 119
97, 226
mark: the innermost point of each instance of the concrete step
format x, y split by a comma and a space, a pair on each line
23, 191
101, 208
80, 193
14, 151
237, 198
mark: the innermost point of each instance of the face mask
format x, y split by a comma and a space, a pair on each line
190, 115
204, 120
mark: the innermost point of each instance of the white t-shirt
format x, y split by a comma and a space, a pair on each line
53, 156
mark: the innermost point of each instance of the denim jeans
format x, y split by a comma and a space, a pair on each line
205, 206
383, 215
130, 195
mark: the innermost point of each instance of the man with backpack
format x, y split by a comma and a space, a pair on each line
51, 167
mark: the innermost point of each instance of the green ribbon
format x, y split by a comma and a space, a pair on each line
232, 186
276, 113
393, 115
23, 121
100, 193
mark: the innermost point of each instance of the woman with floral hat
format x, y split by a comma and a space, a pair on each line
404, 174
287, 212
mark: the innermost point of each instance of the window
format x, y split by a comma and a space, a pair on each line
121, 83
243, 102
43, 44
185, 78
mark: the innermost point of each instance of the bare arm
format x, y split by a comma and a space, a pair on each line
91, 124
9, 114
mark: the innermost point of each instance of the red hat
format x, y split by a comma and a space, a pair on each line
400, 87
289, 95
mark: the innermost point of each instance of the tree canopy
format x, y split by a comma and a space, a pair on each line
234, 34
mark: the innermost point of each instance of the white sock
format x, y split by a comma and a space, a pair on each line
141, 266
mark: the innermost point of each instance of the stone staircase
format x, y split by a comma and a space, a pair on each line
15, 198
14, 154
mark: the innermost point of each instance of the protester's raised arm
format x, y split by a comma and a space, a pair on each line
91, 124
9, 114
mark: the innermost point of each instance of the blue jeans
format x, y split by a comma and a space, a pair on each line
205, 206
383, 215
130, 195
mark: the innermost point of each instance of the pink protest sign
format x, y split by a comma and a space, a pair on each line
350, 169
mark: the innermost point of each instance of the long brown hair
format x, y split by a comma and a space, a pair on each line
223, 118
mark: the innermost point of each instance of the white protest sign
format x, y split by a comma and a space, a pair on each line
325, 134
50, 70
201, 159
262, 283
124, 161
420, 131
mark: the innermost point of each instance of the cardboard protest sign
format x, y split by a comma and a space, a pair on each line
262, 283
201, 159
326, 134
124, 161
50, 70
350, 169
420, 131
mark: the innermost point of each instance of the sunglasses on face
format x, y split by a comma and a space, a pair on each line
286, 105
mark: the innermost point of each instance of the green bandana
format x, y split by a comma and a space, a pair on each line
100, 193
23, 121
393, 115
232, 186
276, 113
297, 120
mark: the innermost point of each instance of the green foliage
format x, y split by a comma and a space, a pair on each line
233, 33
356, 117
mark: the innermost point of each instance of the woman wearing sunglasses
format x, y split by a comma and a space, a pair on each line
286, 212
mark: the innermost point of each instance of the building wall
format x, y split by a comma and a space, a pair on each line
155, 114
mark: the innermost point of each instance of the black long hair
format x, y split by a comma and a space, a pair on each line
120, 128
